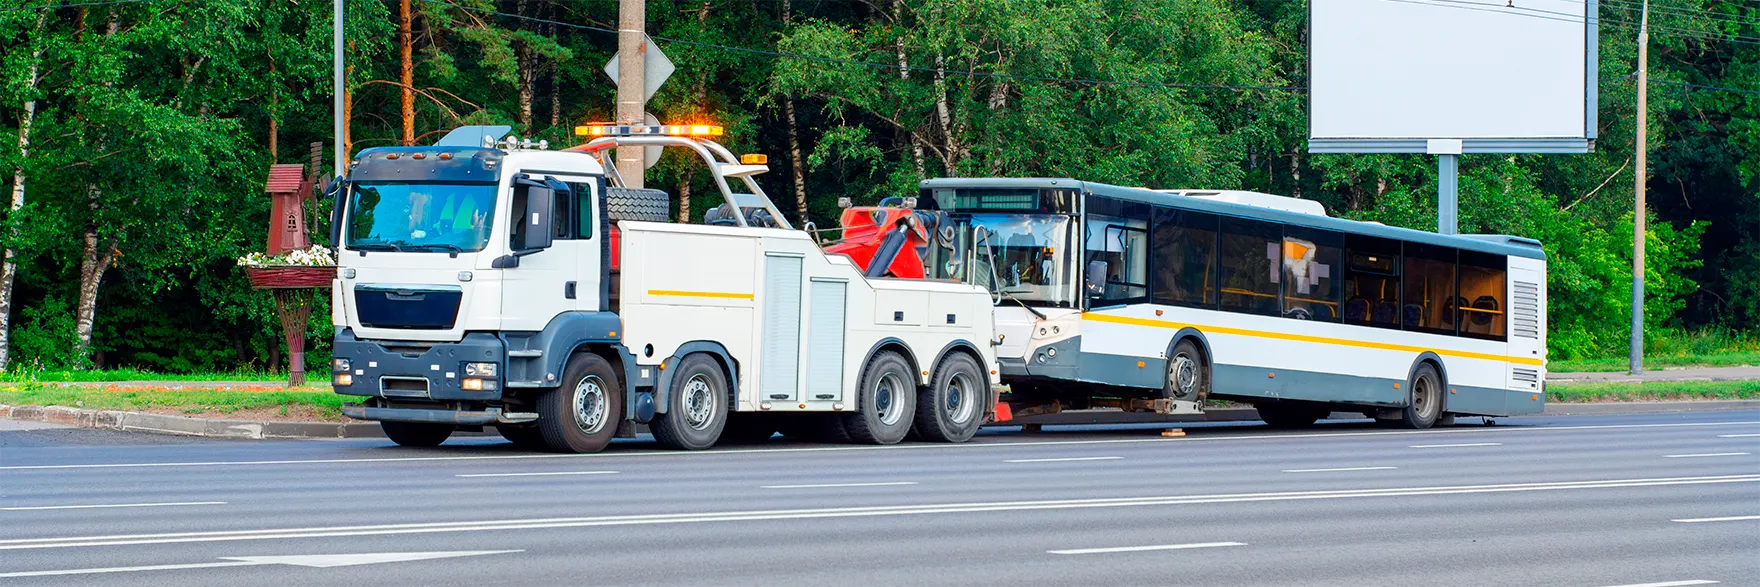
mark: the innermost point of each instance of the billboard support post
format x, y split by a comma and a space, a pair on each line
1447, 184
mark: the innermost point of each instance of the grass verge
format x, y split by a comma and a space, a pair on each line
1608, 364
1652, 391
100, 375
243, 403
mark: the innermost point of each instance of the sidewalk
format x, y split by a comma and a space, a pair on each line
1743, 373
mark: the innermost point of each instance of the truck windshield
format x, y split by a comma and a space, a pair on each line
1029, 254
399, 216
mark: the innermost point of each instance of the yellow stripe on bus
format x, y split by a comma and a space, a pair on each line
1306, 338
699, 294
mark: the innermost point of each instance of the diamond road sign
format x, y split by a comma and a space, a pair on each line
655, 71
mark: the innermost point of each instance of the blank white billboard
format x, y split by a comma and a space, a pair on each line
1450, 69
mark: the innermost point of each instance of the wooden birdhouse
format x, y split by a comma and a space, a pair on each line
288, 190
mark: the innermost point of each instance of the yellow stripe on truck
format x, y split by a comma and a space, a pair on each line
699, 294
1305, 338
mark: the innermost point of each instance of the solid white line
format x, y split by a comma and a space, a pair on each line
815, 486
1723, 519
1737, 435
107, 505
1145, 548
128, 569
1062, 460
1463, 444
892, 447
1338, 469
1707, 454
1671, 583
538, 474
846, 512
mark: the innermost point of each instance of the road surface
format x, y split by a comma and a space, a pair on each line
1591, 501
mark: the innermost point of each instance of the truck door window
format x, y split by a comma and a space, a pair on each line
583, 204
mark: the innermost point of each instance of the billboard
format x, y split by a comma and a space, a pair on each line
1499, 76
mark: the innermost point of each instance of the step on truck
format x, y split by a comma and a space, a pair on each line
489, 281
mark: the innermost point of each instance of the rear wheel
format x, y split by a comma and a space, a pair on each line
952, 407
696, 405
582, 414
416, 433
887, 401
1288, 415
1423, 399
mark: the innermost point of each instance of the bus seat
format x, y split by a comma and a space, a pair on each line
1387, 313
1356, 311
1414, 315
1322, 312
1484, 303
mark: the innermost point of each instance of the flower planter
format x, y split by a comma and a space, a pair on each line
290, 277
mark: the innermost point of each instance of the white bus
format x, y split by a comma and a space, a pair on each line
1111, 295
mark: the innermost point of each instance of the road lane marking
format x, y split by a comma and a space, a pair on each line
1144, 548
1459, 445
1062, 460
1706, 454
819, 485
547, 474
845, 512
107, 505
1722, 519
1339, 469
1671, 583
1737, 435
924, 446
321, 561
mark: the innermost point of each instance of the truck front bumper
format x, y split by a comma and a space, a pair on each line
381, 369
486, 417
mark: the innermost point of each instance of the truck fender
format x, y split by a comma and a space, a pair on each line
663, 385
566, 333
961, 344
909, 357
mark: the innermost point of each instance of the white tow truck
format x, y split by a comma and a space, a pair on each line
488, 281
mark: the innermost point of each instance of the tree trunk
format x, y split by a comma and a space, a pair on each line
949, 136
1295, 173
274, 114
794, 137
95, 257
527, 63
904, 73
684, 197
347, 112
408, 74
8, 268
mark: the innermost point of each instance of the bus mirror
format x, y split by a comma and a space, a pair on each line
540, 204
1095, 278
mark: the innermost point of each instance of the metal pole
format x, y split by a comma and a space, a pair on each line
1639, 178
1447, 186
336, 57
632, 41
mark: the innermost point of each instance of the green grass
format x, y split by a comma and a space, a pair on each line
326, 404
100, 375
1652, 391
1711, 347
1732, 359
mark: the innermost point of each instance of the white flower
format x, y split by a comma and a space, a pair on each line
316, 256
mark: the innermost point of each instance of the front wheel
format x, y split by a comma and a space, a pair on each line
696, 405
416, 433
1188, 378
582, 414
952, 407
1423, 399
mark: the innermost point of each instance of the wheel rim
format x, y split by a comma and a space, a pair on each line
1424, 397
1184, 375
887, 405
699, 402
589, 405
959, 402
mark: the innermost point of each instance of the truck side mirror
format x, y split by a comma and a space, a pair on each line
334, 190
539, 218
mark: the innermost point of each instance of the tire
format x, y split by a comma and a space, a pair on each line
1188, 376
1423, 399
747, 428
523, 437
1283, 415
952, 407
696, 405
886, 402
582, 414
416, 433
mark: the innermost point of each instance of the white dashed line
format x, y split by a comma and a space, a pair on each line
1737, 435
1145, 548
1339, 469
1062, 460
539, 474
1707, 454
1671, 583
819, 485
1723, 519
107, 505
1463, 444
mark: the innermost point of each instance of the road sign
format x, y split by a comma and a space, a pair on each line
656, 68
650, 155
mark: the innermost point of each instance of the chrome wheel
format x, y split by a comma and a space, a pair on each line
960, 403
889, 399
1424, 397
1183, 375
589, 405
699, 402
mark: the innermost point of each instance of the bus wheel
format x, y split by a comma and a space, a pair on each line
1187, 375
581, 415
416, 433
522, 437
1288, 415
696, 406
953, 405
1423, 399
887, 401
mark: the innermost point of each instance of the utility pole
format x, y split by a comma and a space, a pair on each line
336, 57
1639, 178
632, 41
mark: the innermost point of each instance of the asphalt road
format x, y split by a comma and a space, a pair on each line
1569, 501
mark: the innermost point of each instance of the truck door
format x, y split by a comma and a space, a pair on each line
591, 230
547, 282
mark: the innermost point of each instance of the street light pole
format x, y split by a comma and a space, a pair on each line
632, 41
336, 58
1639, 178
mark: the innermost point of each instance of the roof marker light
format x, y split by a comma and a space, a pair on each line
627, 130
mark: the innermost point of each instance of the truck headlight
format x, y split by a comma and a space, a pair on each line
342, 380
340, 365
479, 369
479, 384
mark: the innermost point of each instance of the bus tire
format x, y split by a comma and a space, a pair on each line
886, 402
952, 407
523, 437
1188, 376
1289, 415
582, 414
416, 433
696, 405
1423, 399
747, 428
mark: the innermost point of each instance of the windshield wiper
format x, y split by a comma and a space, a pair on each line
453, 249
376, 247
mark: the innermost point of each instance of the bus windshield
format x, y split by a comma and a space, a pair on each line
399, 216
1027, 253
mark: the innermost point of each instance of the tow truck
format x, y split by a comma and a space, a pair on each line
488, 281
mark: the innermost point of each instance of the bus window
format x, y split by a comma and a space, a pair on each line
1481, 302
1251, 253
1429, 289
1371, 281
1310, 273
1185, 257
1117, 254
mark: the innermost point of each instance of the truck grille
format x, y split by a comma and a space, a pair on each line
408, 307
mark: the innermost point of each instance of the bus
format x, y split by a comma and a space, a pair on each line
1120, 296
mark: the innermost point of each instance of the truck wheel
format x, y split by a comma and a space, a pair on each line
523, 437
747, 428
1283, 415
952, 407
696, 405
886, 404
416, 433
1188, 378
1423, 399
581, 415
